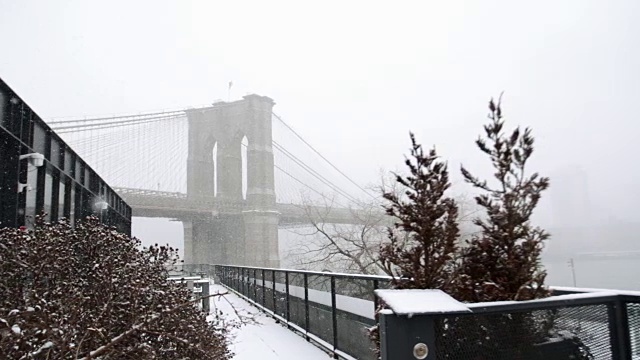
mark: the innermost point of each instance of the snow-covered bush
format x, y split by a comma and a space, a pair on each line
90, 292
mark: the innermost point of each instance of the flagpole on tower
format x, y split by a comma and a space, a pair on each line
229, 91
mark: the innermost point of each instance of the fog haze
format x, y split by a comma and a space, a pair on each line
355, 77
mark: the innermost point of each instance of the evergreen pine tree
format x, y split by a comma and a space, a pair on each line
423, 243
503, 261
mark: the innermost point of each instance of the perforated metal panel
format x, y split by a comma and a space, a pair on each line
633, 313
566, 333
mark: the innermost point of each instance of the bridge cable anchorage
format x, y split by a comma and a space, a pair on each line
319, 154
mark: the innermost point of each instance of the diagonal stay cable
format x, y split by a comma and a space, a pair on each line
302, 182
313, 173
298, 180
324, 158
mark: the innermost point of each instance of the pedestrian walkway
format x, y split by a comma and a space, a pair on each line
260, 337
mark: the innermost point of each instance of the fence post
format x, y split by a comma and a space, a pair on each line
404, 338
236, 272
306, 306
273, 287
619, 330
334, 317
286, 285
234, 278
407, 330
255, 286
244, 282
263, 291
376, 285
224, 275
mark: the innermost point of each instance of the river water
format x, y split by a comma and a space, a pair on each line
608, 273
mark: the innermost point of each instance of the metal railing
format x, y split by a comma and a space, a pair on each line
596, 325
332, 310
335, 311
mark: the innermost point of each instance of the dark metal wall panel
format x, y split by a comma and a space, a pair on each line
63, 184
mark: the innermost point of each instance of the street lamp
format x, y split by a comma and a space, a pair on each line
101, 206
35, 159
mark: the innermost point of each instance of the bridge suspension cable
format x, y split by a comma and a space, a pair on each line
112, 124
313, 173
322, 156
85, 120
149, 151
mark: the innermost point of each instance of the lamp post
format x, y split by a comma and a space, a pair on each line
102, 206
573, 271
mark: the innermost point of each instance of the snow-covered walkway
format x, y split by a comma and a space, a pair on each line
262, 338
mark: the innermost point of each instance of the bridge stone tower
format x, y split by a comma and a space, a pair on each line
248, 226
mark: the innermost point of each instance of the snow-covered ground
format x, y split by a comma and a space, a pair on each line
262, 338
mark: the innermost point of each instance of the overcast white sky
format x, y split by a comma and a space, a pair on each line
355, 76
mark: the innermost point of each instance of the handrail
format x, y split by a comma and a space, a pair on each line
553, 302
311, 272
328, 312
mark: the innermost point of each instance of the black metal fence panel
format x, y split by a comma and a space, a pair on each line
334, 310
633, 313
563, 333
337, 310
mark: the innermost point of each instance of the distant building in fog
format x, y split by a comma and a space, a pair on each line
570, 198
572, 221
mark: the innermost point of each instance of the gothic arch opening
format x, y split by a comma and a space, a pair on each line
243, 154
215, 168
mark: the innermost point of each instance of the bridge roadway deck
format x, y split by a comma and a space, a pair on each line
177, 206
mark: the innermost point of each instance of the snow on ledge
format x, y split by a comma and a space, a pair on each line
592, 290
552, 299
421, 302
